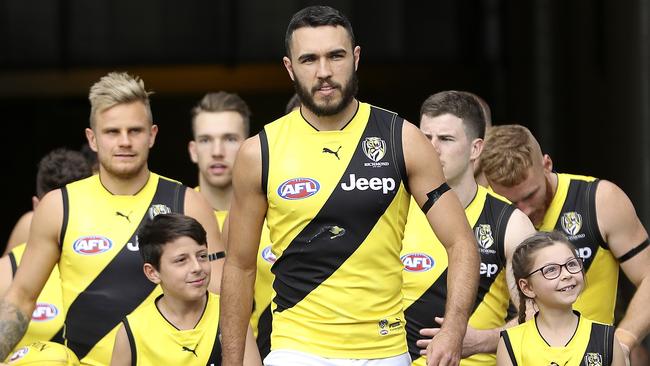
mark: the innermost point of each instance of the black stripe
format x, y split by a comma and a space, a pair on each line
66, 214
215, 355
511, 353
264, 147
313, 255
422, 312
58, 336
264, 326
129, 335
592, 227
501, 226
601, 341
396, 126
14, 264
116, 291
634, 251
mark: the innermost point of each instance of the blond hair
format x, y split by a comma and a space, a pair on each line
117, 88
223, 102
508, 152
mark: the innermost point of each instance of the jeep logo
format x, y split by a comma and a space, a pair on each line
376, 184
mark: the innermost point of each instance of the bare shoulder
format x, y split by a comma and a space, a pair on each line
518, 229
20, 232
48, 216
618, 222
250, 151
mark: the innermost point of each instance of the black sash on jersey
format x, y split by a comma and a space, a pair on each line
264, 327
215, 355
312, 257
95, 312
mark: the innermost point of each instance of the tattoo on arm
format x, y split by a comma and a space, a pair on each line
13, 324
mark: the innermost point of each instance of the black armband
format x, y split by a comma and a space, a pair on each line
216, 255
634, 251
433, 196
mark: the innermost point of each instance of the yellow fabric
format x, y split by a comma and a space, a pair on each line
158, 342
48, 317
92, 216
356, 311
598, 299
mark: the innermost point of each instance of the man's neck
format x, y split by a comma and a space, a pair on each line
124, 186
465, 188
219, 198
333, 122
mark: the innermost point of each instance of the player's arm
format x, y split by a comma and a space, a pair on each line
197, 207
6, 274
503, 358
251, 352
518, 228
20, 232
122, 349
627, 239
447, 218
41, 253
247, 212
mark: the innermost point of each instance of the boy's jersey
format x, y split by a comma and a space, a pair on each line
573, 211
155, 341
101, 267
425, 271
591, 345
47, 318
337, 205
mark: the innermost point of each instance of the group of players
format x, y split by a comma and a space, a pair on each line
355, 237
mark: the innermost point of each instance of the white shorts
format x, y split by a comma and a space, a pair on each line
291, 358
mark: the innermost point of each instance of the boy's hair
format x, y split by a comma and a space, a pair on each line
461, 104
508, 152
222, 102
524, 257
316, 16
164, 229
117, 88
58, 168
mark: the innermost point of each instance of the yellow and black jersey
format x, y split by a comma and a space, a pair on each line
100, 265
573, 211
47, 318
591, 345
337, 208
155, 341
425, 271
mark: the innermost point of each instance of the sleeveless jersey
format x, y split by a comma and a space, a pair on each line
155, 341
101, 269
573, 211
337, 205
47, 318
425, 271
591, 345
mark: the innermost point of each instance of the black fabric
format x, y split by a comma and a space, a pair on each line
511, 353
216, 255
14, 264
264, 327
264, 147
215, 355
66, 210
634, 251
434, 195
129, 335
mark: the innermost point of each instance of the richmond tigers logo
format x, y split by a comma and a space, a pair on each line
571, 222
374, 148
484, 236
593, 359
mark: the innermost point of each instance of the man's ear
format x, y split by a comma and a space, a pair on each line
547, 163
287, 65
476, 149
191, 147
151, 273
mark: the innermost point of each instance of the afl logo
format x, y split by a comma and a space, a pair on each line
417, 262
268, 255
484, 236
571, 222
91, 245
374, 148
44, 312
18, 354
298, 188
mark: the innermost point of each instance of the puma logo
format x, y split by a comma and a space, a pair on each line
186, 349
118, 213
335, 153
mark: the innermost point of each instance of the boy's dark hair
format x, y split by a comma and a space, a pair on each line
164, 229
58, 168
316, 16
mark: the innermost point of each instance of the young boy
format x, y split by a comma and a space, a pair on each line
181, 326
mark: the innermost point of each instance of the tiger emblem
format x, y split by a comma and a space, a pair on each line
593, 359
484, 236
374, 148
571, 222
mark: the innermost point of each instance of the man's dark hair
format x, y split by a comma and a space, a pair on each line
164, 229
460, 104
316, 16
58, 168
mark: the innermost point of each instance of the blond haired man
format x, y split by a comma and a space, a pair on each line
90, 228
596, 215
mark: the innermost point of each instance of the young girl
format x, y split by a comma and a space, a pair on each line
549, 274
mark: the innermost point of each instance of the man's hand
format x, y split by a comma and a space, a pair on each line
444, 349
472, 343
